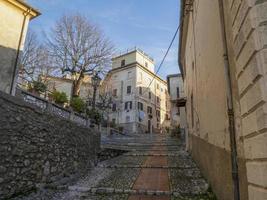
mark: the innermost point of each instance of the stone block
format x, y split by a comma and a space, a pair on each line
254, 96
234, 9
256, 173
256, 42
255, 147
256, 193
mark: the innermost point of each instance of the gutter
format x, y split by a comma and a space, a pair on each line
12, 87
182, 7
231, 115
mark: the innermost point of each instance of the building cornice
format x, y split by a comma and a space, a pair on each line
183, 35
134, 64
25, 7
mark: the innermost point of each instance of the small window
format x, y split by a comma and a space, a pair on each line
114, 107
115, 93
140, 90
129, 89
122, 63
146, 64
140, 106
129, 74
158, 113
128, 105
149, 110
128, 119
158, 100
178, 92
149, 95
167, 117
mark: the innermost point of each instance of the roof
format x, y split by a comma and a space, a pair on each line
144, 68
174, 75
26, 7
135, 49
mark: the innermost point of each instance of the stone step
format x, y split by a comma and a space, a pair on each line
151, 154
103, 190
144, 166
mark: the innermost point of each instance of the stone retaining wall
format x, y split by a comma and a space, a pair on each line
37, 148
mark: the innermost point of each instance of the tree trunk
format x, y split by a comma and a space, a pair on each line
77, 85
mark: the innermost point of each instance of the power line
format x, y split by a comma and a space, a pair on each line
163, 60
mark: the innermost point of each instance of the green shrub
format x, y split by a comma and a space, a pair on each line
59, 97
77, 104
38, 86
94, 115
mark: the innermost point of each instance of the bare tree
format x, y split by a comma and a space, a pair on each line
35, 60
79, 48
28, 61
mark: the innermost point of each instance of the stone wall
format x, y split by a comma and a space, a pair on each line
37, 148
249, 35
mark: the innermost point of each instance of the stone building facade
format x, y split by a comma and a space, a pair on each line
64, 84
223, 60
14, 19
140, 97
176, 92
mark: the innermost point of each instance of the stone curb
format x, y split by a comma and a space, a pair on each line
102, 190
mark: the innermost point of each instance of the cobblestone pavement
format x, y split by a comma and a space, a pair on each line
155, 167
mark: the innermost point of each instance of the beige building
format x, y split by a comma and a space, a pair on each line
14, 19
140, 97
223, 59
64, 84
176, 92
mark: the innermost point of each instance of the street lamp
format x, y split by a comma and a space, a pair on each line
95, 82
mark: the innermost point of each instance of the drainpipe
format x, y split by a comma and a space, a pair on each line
12, 88
231, 116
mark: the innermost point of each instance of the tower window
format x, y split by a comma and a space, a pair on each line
122, 63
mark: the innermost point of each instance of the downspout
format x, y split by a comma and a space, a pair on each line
12, 89
231, 116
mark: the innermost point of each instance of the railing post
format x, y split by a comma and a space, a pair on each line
88, 122
49, 107
71, 115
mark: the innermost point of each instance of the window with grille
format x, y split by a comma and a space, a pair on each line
128, 105
140, 106
149, 110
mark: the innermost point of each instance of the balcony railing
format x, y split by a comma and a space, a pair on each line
53, 108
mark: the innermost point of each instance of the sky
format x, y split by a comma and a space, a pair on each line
146, 24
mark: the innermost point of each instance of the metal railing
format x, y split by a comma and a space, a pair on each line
53, 108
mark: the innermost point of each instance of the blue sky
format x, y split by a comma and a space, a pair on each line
147, 24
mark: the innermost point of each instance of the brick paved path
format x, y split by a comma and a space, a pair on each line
155, 168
